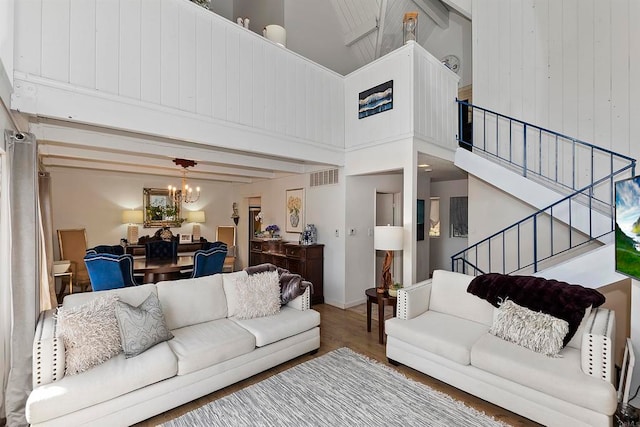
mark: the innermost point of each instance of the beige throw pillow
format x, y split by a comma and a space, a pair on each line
90, 333
258, 295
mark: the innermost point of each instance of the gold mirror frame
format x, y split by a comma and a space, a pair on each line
159, 208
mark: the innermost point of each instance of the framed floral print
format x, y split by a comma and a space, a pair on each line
294, 214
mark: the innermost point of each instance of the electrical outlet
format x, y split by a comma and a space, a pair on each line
369, 231
337, 233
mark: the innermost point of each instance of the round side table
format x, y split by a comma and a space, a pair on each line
382, 299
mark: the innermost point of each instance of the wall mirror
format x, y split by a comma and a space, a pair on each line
159, 208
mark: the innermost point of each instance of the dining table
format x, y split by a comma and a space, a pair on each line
158, 269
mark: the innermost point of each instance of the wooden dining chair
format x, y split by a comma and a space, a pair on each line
227, 235
73, 247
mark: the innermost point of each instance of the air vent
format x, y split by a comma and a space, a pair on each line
330, 176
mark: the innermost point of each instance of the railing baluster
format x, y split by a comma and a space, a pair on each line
463, 257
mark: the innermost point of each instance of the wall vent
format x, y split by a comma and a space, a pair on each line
330, 176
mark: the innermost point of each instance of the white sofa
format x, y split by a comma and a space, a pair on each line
442, 331
209, 351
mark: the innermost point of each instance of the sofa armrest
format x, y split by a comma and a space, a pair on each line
598, 348
48, 350
413, 300
301, 302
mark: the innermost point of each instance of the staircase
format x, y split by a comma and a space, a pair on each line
569, 182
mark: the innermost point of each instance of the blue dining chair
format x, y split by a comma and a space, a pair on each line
108, 271
208, 262
161, 249
107, 249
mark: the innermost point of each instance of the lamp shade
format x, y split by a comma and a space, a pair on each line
132, 217
196, 216
388, 238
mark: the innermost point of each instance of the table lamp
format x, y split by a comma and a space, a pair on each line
197, 218
132, 217
387, 238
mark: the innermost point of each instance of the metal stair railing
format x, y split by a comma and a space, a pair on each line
562, 226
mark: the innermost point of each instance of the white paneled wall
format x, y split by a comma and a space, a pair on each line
435, 109
175, 54
568, 65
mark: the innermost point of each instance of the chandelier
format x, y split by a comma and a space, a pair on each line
188, 194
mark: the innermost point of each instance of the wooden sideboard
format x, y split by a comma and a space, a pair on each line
182, 247
305, 260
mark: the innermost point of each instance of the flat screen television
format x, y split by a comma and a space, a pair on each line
627, 238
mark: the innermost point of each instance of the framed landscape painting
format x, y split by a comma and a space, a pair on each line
294, 214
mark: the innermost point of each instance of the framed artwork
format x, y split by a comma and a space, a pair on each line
375, 100
420, 219
160, 209
459, 216
294, 210
185, 238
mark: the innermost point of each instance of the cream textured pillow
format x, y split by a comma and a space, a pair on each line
141, 327
90, 333
536, 331
258, 295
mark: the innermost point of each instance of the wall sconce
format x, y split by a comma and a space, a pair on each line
132, 217
197, 218
234, 216
387, 238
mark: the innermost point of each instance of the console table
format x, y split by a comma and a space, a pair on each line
305, 260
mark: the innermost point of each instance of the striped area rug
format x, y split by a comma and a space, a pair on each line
340, 388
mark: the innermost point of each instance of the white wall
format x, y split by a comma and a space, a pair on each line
455, 40
94, 200
444, 246
324, 207
566, 65
174, 69
6, 38
260, 13
313, 31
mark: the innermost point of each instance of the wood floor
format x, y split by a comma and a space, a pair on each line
346, 328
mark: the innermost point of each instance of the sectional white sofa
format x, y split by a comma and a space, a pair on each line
442, 331
209, 351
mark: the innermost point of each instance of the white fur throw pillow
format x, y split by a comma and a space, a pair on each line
90, 333
258, 295
536, 331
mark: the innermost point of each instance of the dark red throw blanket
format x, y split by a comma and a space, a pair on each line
559, 299
291, 285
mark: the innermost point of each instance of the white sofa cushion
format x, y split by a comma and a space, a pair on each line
133, 295
287, 323
191, 301
559, 377
122, 375
449, 295
229, 283
443, 334
205, 344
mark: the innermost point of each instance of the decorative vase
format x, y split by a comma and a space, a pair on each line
294, 219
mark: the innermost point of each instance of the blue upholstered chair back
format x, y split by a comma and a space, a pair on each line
214, 245
108, 271
161, 249
208, 262
107, 249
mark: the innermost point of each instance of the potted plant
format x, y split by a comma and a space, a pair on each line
393, 290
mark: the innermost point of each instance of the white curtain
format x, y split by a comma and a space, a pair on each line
45, 226
5, 281
24, 269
